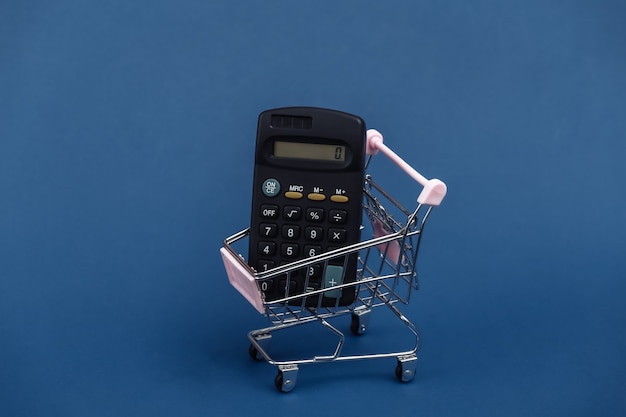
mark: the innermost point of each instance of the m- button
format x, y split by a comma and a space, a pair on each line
316, 196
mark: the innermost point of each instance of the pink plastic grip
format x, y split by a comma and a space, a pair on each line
434, 190
242, 280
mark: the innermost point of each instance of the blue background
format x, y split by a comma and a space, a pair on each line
126, 145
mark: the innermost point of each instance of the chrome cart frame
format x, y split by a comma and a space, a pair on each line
386, 276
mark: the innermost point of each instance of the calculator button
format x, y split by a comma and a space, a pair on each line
339, 198
313, 286
269, 211
271, 187
314, 272
294, 195
291, 231
316, 197
267, 285
293, 287
289, 250
315, 214
333, 276
268, 229
265, 265
312, 250
313, 233
267, 248
338, 216
337, 235
292, 212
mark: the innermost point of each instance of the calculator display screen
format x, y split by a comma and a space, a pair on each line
315, 151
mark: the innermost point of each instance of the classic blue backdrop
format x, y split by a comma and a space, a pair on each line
126, 141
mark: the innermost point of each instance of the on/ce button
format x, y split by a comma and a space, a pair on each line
270, 187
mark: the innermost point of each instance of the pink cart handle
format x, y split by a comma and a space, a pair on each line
242, 279
434, 190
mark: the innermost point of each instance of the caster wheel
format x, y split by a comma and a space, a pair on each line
405, 369
254, 353
355, 326
278, 381
399, 371
285, 379
358, 325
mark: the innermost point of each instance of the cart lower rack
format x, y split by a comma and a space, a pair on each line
386, 276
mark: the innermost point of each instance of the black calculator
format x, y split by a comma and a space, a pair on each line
306, 200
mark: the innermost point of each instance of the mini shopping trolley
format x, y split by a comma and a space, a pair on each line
386, 277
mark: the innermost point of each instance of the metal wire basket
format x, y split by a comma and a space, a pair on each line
386, 275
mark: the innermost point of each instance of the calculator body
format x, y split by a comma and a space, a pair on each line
307, 192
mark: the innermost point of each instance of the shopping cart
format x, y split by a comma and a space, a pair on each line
386, 276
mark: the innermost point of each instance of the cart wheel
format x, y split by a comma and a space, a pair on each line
355, 325
285, 379
405, 369
278, 381
254, 353
359, 322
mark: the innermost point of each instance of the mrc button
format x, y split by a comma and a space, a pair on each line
295, 191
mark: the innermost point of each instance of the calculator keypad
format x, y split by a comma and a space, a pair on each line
305, 219
316, 229
299, 231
